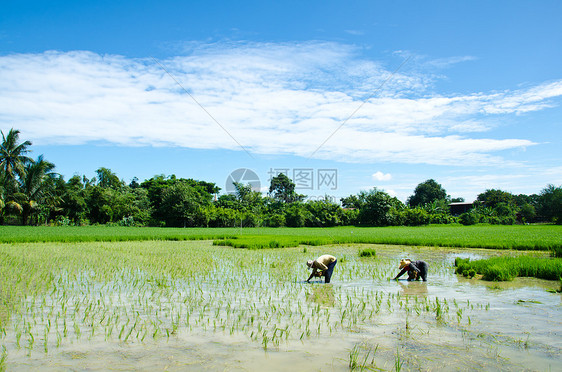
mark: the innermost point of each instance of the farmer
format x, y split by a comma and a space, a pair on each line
415, 269
322, 266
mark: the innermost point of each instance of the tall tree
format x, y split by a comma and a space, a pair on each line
375, 207
108, 179
427, 192
283, 189
2, 205
492, 197
13, 159
550, 203
34, 188
183, 204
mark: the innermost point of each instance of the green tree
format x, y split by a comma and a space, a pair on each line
224, 217
108, 179
296, 215
491, 197
528, 212
248, 199
157, 185
74, 200
99, 201
13, 159
229, 201
550, 203
427, 192
2, 205
351, 201
282, 189
183, 204
323, 213
33, 188
376, 208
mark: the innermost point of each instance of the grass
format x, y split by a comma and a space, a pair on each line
521, 237
507, 268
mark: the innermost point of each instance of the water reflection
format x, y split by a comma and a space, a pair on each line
413, 288
322, 295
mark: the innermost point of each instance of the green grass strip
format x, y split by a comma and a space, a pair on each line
522, 237
508, 268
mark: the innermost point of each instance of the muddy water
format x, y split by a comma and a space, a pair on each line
361, 319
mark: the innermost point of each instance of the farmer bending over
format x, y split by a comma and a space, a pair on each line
325, 264
415, 269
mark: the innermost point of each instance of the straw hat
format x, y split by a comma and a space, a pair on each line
403, 263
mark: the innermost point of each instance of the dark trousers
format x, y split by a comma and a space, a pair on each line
423, 270
328, 274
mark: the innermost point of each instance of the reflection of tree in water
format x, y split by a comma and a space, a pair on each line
322, 295
414, 288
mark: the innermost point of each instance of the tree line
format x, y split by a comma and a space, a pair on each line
31, 192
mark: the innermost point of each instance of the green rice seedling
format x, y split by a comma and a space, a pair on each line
30, 342
354, 357
18, 338
497, 273
398, 362
368, 252
3, 358
438, 310
507, 268
46, 342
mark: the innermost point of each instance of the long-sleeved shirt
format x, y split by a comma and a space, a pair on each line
413, 266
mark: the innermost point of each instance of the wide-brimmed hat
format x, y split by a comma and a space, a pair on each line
404, 263
309, 263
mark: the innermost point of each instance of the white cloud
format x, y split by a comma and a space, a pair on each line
271, 98
447, 62
355, 32
391, 193
380, 176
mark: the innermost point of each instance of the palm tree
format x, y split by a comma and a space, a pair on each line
13, 159
2, 205
34, 186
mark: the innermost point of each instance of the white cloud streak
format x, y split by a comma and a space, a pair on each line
273, 98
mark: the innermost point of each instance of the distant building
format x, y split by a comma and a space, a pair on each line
460, 208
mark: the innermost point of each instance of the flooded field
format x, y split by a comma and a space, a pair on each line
192, 305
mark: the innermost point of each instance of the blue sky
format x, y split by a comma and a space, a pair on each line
373, 93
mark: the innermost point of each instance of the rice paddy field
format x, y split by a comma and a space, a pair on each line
525, 237
195, 305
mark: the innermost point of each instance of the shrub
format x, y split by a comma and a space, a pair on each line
276, 220
415, 217
469, 218
127, 221
441, 218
